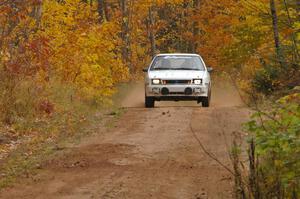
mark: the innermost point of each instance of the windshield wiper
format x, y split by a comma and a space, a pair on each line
162, 69
186, 69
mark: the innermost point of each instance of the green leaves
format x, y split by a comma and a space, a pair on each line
277, 139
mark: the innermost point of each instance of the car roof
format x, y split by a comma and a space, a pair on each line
176, 54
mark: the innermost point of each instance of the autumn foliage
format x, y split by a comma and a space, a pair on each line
58, 56
93, 45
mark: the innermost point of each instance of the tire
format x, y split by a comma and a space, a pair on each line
149, 102
206, 100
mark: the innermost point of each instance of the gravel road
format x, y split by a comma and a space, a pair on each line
150, 153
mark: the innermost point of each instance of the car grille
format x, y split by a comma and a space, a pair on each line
177, 93
177, 81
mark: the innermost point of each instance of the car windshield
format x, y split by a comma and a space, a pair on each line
178, 62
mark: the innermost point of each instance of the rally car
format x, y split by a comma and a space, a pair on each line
176, 77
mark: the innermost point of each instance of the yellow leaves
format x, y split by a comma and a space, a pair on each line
290, 98
84, 53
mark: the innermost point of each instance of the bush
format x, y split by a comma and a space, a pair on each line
265, 80
275, 145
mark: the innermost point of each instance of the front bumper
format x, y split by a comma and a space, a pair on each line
177, 92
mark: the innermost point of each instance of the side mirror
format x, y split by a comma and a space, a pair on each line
210, 69
145, 70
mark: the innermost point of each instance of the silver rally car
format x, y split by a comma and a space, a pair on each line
177, 77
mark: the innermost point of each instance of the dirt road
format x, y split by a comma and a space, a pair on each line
151, 153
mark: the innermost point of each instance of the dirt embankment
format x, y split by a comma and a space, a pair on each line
150, 153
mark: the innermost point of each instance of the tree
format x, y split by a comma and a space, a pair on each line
150, 32
102, 11
276, 33
196, 7
126, 50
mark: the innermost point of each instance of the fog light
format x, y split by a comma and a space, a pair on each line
165, 91
156, 90
197, 90
188, 91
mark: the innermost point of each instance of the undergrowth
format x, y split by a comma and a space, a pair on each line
42, 125
273, 161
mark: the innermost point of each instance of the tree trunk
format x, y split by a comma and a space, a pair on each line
107, 17
185, 45
151, 34
196, 7
101, 11
125, 33
294, 40
276, 33
38, 11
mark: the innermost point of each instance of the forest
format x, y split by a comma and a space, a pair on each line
62, 59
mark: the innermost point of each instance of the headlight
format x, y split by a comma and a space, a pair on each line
156, 81
198, 81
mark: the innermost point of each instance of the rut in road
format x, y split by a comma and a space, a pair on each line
151, 153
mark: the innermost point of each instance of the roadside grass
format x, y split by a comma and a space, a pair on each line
42, 137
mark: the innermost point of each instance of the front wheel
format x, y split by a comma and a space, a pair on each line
206, 100
149, 102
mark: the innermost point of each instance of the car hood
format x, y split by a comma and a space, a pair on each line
176, 74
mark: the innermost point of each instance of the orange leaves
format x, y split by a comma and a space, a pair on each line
18, 35
32, 56
40, 50
5, 10
85, 53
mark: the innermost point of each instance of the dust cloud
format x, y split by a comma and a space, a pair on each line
224, 94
